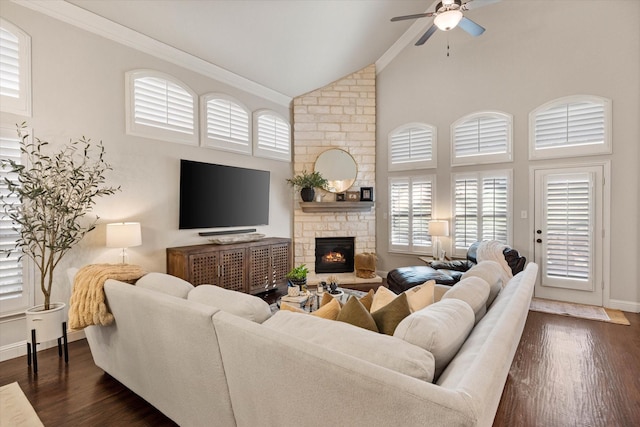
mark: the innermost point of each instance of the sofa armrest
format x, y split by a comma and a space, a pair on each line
455, 265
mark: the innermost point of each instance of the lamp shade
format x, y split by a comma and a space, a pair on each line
124, 235
438, 228
447, 20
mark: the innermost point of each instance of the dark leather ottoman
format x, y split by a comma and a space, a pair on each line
403, 278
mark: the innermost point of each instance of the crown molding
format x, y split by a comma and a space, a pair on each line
88, 21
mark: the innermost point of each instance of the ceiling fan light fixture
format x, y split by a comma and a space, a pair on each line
448, 19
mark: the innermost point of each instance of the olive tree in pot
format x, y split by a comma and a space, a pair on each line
307, 182
47, 199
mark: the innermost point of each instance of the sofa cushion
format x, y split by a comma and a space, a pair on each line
165, 283
474, 291
356, 314
491, 272
243, 305
440, 328
379, 349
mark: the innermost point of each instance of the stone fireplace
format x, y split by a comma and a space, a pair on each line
334, 254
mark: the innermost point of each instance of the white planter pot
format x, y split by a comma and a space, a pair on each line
47, 323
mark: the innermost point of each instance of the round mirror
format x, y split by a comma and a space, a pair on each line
338, 167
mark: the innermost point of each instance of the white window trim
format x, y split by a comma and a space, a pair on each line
138, 129
419, 164
21, 105
576, 150
266, 153
411, 249
18, 304
227, 144
483, 158
462, 252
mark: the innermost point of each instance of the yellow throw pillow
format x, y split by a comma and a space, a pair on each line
367, 300
382, 297
289, 307
328, 311
420, 296
388, 317
355, 313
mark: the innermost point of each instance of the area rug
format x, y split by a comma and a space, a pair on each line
15, 409
581, 311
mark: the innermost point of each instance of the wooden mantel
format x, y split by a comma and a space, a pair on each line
319, 207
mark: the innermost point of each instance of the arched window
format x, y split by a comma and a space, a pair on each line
15, 69
412, 146
160, 106
483, 137
272, 136
570, 126
226, 124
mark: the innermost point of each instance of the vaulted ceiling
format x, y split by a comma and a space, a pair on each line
290, 46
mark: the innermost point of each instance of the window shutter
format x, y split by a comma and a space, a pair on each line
466, 212
400, 206
571, 124
15, 69
227, 125
494, 209
273, 136
411, 204
412, 146
482, 138
163, 104
569, 220
9, 64
13, 295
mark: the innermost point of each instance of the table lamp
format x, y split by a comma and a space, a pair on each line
438, 228
124, 235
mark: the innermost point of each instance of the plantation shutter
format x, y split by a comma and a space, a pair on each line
13, 295
227, 125
494, 209
411, 146
9, 64
569, 221
273, 137
163, 104
483, 135
410, 212
570, 124
466, 212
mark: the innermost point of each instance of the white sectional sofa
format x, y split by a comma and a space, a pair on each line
207, 356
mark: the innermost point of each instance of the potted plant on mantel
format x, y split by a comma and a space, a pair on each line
47, 200
307, 182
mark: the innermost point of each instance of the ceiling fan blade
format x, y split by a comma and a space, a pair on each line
474, 4
432, 29
470, 27
415, 16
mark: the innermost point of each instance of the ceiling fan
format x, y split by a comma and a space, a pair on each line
447, 16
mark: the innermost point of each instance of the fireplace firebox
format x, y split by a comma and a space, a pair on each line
334, 254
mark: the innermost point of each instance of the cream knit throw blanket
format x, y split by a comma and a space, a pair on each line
492, 250
87, 305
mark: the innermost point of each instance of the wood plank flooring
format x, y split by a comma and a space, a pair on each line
566, 372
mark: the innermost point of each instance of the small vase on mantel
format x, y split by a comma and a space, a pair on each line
307, 194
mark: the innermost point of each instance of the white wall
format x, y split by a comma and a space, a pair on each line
531, 53
78, 89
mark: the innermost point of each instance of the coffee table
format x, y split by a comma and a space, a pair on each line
313, 302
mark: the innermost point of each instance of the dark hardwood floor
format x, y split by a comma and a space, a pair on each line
566, 372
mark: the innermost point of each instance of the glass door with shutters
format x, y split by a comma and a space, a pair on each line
569, 234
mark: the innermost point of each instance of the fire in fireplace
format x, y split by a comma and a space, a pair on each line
334, 254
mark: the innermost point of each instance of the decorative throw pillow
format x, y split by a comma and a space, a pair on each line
367, 300
382, 297
420, 296
355, 313
328, 311
389, 316
327, 298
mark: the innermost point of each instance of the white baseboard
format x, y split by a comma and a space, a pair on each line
631, 307
19, 349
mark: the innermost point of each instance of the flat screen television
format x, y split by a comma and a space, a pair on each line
222, 196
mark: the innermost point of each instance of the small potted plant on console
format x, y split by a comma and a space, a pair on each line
307, 183
298, 276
